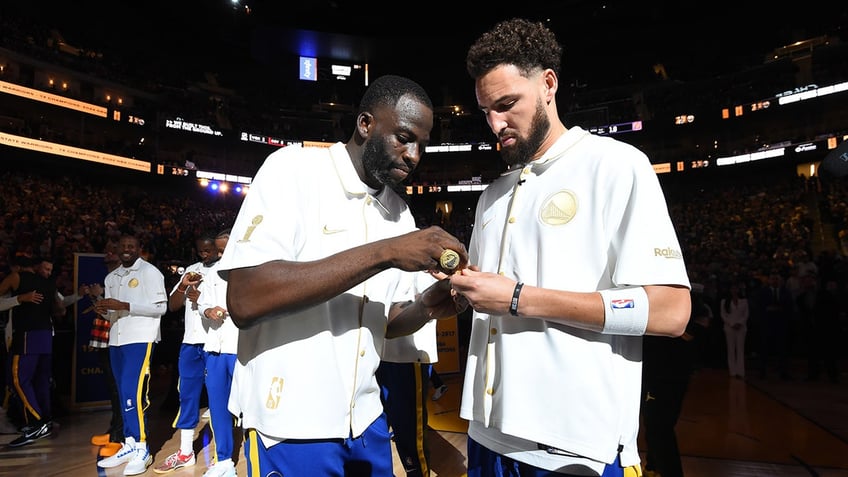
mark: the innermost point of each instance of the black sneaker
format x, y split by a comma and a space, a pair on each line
31, 434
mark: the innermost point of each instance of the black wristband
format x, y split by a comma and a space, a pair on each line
513, 305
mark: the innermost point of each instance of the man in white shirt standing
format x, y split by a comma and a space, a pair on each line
220, 348
404, 378
574, 258
191, 362
135, 300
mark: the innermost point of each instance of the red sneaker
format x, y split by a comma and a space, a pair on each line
175, 461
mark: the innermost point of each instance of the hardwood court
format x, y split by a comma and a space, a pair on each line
728, 428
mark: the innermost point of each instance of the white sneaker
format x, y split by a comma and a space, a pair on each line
440, 391
140, 461
221, 469
123, 456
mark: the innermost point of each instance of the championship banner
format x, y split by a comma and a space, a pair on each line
447, 338
89, 387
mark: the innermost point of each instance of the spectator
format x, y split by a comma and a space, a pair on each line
775, 309
819, 308
667, 367
734, 314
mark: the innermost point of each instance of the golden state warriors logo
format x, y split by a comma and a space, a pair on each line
133, 283
559, 208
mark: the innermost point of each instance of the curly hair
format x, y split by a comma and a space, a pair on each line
387, 91
523, 43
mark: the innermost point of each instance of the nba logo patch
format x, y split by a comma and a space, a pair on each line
622, 303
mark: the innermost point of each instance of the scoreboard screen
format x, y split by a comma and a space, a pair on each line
619, 128
322, 69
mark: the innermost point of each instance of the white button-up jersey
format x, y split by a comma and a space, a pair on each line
194, 333
142, 286
589, 215
310, 374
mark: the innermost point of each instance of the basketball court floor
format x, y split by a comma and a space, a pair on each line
728, 428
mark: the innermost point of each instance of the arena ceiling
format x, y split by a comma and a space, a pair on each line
606, 44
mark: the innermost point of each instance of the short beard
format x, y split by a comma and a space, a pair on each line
374, 159
524, 149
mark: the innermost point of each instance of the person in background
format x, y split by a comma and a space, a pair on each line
220, 347
734, 312
818, 309
404, 378
110, 441
438, 384
667, 367
31, 351
574, 258
191, 362
45, 268
320, 270
7, 303
134, 301
775, 307
10, 407
12, 301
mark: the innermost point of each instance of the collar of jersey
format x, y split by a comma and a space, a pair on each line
122, 270
353, 186
557, 151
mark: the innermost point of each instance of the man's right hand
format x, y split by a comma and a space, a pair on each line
421, 250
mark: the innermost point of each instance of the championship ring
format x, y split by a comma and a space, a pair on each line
449, 259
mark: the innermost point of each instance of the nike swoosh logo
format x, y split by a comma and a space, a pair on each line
332, 231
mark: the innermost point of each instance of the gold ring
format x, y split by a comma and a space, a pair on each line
219, 314
449, 259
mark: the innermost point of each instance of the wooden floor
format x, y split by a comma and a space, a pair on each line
728, 428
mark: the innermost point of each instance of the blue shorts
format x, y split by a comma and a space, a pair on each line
369, 454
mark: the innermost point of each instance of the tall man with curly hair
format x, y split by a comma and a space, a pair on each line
574, 258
